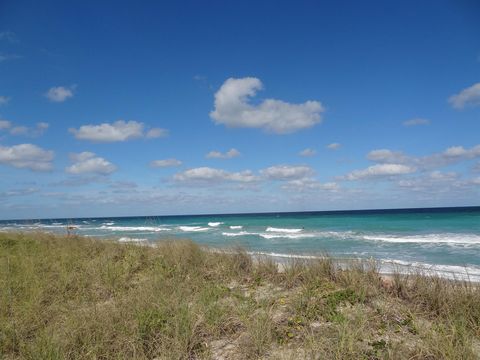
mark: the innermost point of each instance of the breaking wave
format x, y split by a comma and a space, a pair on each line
128, 239
192, 228
133, 228
281, 230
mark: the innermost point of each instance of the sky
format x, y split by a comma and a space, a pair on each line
122, 108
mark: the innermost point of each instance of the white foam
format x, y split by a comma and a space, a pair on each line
215, 224
456, 272
446, 238
241, 233
36, 226
468, 272
287, 236
286, 256
236, 227
128, 239
134, 228
280, 230
108, 223
193, 228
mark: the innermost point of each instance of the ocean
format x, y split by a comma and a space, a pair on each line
443, 240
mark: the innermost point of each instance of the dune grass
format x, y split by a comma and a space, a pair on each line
78, 298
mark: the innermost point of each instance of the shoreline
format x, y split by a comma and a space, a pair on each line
386, 267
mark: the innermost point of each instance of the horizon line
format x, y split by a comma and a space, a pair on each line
325, 212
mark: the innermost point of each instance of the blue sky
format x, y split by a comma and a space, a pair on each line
117, 108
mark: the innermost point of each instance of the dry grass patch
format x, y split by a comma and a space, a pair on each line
74, 297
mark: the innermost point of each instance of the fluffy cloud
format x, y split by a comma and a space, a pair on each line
380, 170
434, 182
218, 155
4, 100
27, 156
287, 172
118, 131
442, 176
211, 175
334, 146
38, 130
416, 122
449, 156
387, 156
59, 93
232, 108
156, 133
469, 96
88, 163
307, 152
310, 184
165, 163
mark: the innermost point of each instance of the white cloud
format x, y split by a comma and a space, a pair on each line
232, 108
449, 156
459, 152
469, 96
43, 125
19, 130
89, 163
117, 131
19, 192
122, 185
287, 172
156, 133
380, 170
218, 155
334, 146
442, 176
211, 175
476, 181
5, 124
416, 122
59, 93
455, 151
40, 128
387, 156
4, 100
310, 184
435, 182
307, 152
165, 163
27, 156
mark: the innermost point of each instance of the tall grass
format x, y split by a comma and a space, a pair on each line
78, 298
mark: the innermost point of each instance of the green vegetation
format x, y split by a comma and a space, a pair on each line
78, 298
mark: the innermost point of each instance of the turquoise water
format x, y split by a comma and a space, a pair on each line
447, 240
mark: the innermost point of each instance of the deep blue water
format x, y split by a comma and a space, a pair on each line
446, 238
